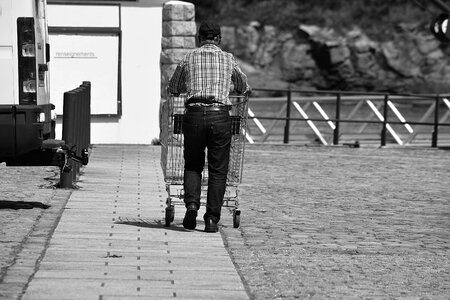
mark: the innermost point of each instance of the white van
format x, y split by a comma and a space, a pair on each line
25, 108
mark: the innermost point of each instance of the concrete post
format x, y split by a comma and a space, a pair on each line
178, 37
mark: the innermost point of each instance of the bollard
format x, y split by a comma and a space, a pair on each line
69, 127
65, 176
65, 179
87, 84
76, 131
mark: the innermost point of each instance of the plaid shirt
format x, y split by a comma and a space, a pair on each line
207, 72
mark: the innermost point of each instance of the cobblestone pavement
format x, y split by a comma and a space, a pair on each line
29, 210
344, 223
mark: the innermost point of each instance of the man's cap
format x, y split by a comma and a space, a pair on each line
209, 29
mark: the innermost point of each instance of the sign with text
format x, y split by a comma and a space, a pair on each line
87, 57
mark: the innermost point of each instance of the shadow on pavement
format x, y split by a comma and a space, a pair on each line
158, 224
6, 204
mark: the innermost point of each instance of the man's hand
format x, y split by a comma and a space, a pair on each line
172, 94
248, 91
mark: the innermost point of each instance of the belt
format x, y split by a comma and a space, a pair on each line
207, 108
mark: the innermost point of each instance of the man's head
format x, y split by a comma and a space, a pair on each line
209, 31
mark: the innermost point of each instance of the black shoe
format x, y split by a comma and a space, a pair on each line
189, 221
211, 226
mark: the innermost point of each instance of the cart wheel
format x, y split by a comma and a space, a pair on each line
236, 218
170, 214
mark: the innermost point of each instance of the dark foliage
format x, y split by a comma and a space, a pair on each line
379, 18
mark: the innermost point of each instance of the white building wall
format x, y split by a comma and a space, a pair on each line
141, 48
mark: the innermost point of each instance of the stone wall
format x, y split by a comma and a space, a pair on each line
178, 37
320, 58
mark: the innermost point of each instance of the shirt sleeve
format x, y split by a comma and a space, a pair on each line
177, 83
239, 79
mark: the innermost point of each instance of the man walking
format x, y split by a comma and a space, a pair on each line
206, 75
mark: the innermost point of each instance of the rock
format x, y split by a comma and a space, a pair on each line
359, 42
317, 57
426, 44
319, 35
346, 71
364, 62
296, 61
268, 47
310, 30
339, 54
247, 42
435, 55
398, 61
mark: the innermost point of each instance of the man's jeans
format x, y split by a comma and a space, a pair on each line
211, 130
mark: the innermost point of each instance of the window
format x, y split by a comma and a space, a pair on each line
86, 47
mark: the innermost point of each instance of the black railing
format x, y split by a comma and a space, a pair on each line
338, 96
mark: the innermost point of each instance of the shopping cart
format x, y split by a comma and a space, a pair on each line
172, 161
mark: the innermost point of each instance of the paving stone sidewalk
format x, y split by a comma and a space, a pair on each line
110, 242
